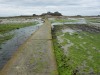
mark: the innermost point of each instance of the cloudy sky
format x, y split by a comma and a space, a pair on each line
66, 7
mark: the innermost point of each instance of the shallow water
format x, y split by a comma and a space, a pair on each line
9, 47
68, 30
78, 21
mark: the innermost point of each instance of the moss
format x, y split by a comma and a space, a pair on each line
78, 53
63, 66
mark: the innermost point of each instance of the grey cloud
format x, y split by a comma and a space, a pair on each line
41, 2
67, 7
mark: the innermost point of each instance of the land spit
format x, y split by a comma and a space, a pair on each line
35, 56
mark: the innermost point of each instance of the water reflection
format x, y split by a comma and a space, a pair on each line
20, 35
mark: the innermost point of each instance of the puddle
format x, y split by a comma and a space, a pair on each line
1, 36
68, 30
66, 47
80, 37
78, 21
60, 38
20, 36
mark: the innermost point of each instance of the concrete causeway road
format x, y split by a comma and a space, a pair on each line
35, 56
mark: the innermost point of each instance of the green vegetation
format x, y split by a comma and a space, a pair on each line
94, 20
63, 20
62, 60
4, 28
8, 27
5, 38
82, 56
83, 49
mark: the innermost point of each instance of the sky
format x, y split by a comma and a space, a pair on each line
66, 7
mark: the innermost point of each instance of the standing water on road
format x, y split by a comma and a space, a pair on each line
9, 47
